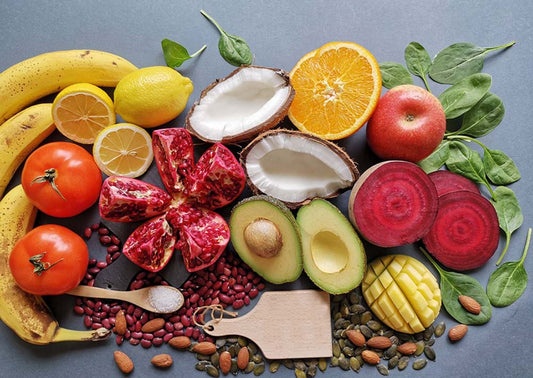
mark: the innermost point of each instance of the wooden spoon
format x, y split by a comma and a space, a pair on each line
159, 299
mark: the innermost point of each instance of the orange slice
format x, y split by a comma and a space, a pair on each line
81, 111
337, 89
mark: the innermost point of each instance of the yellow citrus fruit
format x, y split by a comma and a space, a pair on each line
123, 149
152, 96
81, 111
337, 89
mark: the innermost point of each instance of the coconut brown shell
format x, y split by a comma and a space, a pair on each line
270, 123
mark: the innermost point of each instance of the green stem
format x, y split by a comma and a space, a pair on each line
424, 79
528, 240
199, 51
212, 21
431, 260
500, 47
507, 242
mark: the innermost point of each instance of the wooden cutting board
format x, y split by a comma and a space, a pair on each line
284, 324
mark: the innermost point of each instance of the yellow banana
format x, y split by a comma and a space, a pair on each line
27, 314
27, 81
19, 136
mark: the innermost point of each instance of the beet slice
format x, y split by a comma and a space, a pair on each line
465, 233
447, 181
393, 203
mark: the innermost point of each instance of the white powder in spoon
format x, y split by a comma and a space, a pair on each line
165, 299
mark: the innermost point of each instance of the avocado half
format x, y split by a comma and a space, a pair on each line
334, 257
265, 234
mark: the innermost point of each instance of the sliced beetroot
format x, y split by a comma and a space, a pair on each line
393, 203
124, 199
465, 233
447, 181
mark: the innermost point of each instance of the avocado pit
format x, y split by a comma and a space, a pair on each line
263, 238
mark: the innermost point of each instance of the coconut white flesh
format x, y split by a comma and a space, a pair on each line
240, 103
294, 168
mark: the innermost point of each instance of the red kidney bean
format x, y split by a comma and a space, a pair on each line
134, 341
95, 226
87, 233
79, 310
160, 332
119, 339
103, 231
167, 337
157, 341
238, 303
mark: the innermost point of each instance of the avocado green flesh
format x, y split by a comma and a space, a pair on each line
333, 254
286, 266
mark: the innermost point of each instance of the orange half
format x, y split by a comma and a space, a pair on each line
337, 89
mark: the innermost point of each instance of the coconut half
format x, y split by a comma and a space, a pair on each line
296, 167
250, 100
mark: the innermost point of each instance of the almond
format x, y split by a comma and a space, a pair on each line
180, 342
224, 362
379, 342
162, 360
153, 325
121, 325
243, 357
370, 357
204, 347
124, 363
356, 337
458, 332
470, 304
407, 348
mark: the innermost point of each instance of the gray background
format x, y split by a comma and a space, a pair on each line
279, 33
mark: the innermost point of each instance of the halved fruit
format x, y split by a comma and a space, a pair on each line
265, 235
333, 255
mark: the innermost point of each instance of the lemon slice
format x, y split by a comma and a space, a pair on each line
123, 149
81, 111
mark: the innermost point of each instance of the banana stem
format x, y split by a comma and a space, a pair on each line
64, 334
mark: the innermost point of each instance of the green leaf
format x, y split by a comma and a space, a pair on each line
437, 158
175, 54
232, 48
507, 283
452, 285
510, 217
458, 61
394, 74
483, 117
500, 168
462, 96
466, 162
417, 59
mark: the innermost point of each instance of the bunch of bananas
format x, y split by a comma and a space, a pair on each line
22, 128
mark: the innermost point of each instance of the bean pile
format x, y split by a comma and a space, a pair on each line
228, 282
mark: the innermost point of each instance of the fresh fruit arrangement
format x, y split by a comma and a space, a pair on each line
287, 226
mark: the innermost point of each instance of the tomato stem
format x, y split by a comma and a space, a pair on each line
40, 266
49, 176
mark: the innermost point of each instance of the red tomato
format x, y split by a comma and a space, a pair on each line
49, 260
61, 179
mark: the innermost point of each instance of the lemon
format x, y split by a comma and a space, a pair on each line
81, 111
152, 96
123, 149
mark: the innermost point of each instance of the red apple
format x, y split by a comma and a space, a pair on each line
408, 124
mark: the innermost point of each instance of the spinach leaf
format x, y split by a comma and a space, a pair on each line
437, 158
453, 284
466, 162
232, 48
418, 61
483, 117
394, 74
499, 168
460, 60
462, 96
510, 217
508, 282
175, 54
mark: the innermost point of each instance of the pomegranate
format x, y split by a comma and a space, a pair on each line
183, 218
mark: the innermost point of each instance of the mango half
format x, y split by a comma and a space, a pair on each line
402, 293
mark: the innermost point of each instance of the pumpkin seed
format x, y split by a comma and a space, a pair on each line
391, 351
419, 363
366, 317
254, 349
300, 365
382, 369
355, 365
289, 364
215, 357
393, 362
430, 342
420, 345
347, 351
428, 333
354, 298
274, 366
234, 367
344, 363
299, 373
311, 371
257, 358
403, 362
212, 371
336, 349
250, 367
440, 329
242, 341
374, 325
322, 364
232, 350
259, 369
203, 357
429, 352
355, 319
201, 365
367, 332
334, 361
220, 342
357, 308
